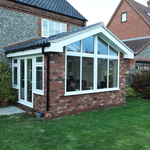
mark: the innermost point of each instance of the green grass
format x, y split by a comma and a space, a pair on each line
122, 128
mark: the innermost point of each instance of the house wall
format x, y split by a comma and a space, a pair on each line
144, 55
15, 27
133, 28
61, 105
20, 23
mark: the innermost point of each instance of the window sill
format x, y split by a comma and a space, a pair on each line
26, 104
90, 91
38, 92
15, 87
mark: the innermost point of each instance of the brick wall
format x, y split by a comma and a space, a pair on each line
61, 105
133, 28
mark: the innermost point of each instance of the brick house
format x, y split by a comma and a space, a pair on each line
24, 21
70, 72
131, 23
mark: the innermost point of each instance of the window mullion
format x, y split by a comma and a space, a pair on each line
95, 62
81, 67
108, 69
81, 73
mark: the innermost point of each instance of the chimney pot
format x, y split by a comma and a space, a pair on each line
148, 3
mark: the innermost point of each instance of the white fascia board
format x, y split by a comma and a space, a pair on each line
25, 53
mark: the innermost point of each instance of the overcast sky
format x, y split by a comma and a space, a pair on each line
98, 10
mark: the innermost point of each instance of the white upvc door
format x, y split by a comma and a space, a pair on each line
26, 82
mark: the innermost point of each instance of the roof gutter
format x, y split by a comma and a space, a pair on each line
48, 60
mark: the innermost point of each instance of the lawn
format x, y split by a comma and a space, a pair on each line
122, 128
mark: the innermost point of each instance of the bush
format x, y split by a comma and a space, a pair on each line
6, 90
130, 92
141, 82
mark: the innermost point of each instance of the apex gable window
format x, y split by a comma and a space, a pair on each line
124, 17
50, 28
92, 65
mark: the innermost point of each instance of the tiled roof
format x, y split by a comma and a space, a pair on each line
44, 41
141, 9
58, 6
137, 44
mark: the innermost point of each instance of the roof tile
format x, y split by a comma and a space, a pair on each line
58, 6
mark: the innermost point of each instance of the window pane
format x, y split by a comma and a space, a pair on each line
74, 47
112, 51
15, 61
39, 78
39, 59
87, 73
15, 75
88, 45
22, 78
51, 28
45, 27
124, 17
57, 28
73, 73
63, 28
102, 47
113, 73
102, 73
29, 80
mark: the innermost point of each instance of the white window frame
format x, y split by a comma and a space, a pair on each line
124, 17
15, 86
95, 56
34, 65
39, 64
61, 24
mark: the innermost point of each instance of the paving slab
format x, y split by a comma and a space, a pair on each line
9, 110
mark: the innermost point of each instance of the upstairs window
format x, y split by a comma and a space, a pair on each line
124, 17
50, 28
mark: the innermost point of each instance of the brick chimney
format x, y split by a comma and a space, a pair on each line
148, 3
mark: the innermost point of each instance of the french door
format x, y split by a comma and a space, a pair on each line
26, 87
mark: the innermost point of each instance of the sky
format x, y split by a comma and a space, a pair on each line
98, 10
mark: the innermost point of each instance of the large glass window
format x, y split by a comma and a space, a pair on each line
88, 45
50, 28
87, 72
102, 73
74, 47
102, 47
113, 73
73, 73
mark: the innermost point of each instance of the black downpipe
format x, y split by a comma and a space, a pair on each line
48, 59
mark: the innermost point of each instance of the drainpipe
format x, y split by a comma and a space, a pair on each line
48, 59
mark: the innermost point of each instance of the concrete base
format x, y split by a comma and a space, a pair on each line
10, 110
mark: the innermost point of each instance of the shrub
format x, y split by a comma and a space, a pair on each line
141, 82
6, 90
130, 92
